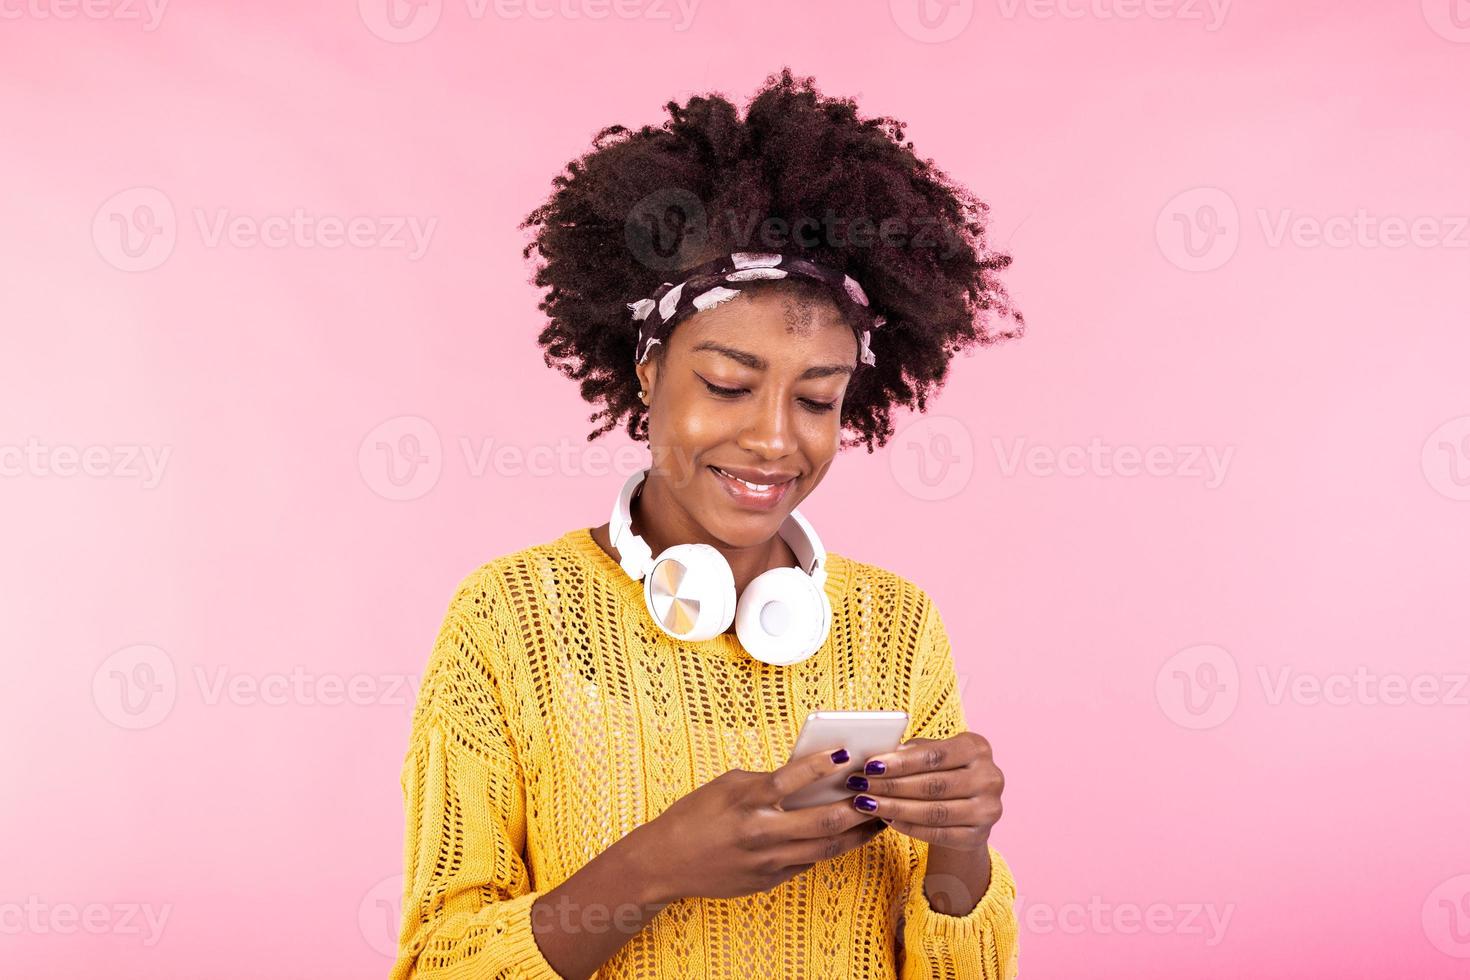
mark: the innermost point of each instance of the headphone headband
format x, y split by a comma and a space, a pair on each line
635, 555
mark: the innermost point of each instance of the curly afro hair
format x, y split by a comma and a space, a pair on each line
802, 174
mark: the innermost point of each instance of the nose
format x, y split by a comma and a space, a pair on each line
767, 431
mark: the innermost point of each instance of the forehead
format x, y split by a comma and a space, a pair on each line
790, 320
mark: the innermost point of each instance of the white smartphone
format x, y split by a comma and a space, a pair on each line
863, 733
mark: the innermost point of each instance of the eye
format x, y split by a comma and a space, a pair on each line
815, 407
723, 392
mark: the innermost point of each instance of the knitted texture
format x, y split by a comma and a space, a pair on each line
555, 717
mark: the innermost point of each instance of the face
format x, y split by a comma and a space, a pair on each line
752, 387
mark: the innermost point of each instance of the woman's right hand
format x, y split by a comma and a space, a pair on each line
729, 837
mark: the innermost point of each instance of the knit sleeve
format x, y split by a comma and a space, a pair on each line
982, 943
466, 891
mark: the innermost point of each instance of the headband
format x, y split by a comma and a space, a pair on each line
721, 279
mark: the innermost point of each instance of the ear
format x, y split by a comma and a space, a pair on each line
647, 376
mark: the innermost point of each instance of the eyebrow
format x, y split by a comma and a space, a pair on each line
757, 364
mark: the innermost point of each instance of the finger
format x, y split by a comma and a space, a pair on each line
799, 772
942, 784
809, 852
917, 756
826, 820
960, 838
929, 813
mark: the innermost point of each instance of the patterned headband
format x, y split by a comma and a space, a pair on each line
721, 279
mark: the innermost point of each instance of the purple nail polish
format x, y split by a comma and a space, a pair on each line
865, 803
840, 756
856, 782
876, 768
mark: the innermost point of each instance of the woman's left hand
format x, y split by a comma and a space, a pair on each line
944, 791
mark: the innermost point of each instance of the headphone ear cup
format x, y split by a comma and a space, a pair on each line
690, 592
783, 617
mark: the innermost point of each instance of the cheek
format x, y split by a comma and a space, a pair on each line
681, 434
821, 435
698, 426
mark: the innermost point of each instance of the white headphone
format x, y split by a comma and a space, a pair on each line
783, 615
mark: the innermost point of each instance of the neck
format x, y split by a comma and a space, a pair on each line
664, 523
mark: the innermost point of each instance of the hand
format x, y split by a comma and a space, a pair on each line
944, 791
730, 837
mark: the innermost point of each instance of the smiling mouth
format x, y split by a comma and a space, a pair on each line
757, 487
752, 496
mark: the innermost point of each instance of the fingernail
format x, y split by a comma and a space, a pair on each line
876, 768
856, 782
886, 819
840, 756
865, 803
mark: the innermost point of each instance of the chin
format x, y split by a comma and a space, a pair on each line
740, 526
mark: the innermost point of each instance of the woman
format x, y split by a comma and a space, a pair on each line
585, 790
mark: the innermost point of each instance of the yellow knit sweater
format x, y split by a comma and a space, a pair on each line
554, 717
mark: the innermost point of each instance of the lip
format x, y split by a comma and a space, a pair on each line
758, 476
750, 499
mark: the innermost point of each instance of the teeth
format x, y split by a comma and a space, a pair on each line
758, 487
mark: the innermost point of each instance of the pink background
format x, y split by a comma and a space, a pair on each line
173, 742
